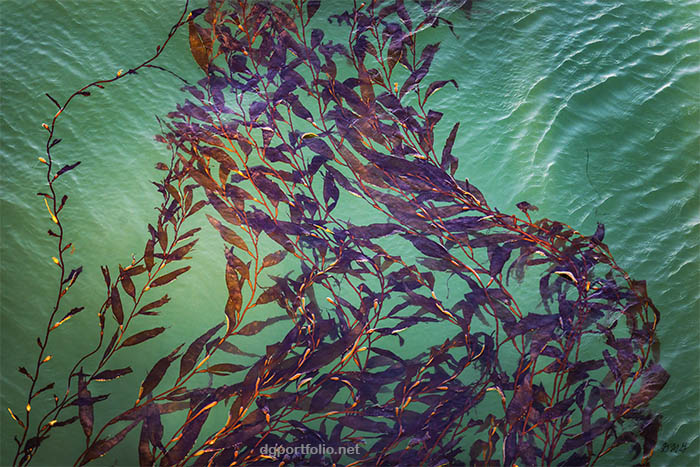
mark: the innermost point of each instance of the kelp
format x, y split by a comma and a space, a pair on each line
284, 130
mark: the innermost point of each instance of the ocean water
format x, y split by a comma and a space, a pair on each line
589, 110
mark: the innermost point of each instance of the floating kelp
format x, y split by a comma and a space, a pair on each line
286, 128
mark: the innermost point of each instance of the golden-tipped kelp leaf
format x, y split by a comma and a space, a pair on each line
109, 375
198, 48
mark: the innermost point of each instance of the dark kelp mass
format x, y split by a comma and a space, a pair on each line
285, 128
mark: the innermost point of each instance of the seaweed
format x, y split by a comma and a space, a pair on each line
284, 129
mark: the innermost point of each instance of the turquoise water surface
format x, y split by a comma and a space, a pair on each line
589, 110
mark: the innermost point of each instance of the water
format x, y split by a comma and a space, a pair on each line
589, 110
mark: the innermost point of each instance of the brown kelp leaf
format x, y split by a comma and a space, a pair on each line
25, 372
233, 306
85, 412
158, 303
142, 336
148, 254
181, 252
190, 356
45, 388
135, 270
116, 303
227, 234
171, 276
100, 447
271, 294
225, 368
187, 439
127, 284
282, 18
274, 258
109, 375
105, 274
156, 374
232, 349
257, 326
146, 457
198, 49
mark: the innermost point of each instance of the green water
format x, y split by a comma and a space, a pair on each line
589, 110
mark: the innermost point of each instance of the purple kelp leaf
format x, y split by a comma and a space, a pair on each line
612, 364
558, 410
66, 168
273, 192
324, 396
427, 247
364, 424
330, 190
520, 403
654, 379
257, 326
417, 76
599, 233
532, 322
437, 85
600, 426
498, 256
256, 109
579, 370
312, 7
650, 432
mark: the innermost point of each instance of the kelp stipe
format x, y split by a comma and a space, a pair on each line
285, 129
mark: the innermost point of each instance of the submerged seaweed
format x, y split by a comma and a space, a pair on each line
286, 128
